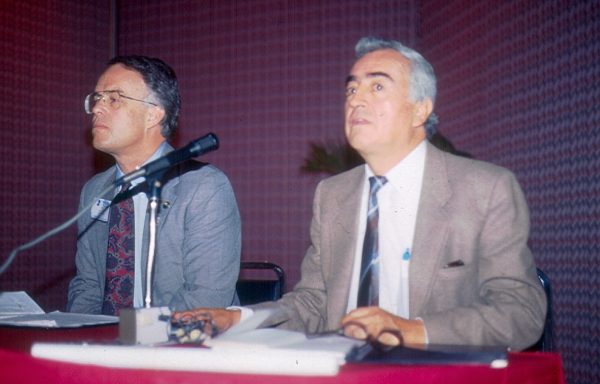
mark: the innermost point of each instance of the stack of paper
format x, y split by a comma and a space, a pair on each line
267, 361
242, 349
246, 349
17, 303
18, 309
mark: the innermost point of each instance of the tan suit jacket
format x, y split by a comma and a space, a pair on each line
470, 211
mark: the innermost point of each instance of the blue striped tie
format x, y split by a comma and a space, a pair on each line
368, 288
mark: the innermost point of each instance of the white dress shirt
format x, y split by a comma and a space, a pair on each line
398, 202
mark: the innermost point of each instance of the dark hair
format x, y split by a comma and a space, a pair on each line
162, 82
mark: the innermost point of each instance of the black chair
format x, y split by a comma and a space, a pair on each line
256, 290
545, 343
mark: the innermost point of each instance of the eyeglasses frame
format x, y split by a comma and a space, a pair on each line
86, 103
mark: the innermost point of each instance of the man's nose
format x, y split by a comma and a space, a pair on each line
357, 99
99, 106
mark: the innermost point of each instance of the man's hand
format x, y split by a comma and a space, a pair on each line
375, 324
222, 319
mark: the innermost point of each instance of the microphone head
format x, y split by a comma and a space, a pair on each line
204, 144
214, 141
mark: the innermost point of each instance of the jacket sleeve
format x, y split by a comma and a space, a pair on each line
304, 309
86, 289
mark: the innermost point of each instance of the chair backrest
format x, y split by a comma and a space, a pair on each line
545, 343
252, 290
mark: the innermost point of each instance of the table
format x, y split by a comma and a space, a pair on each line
22, 338
17, 366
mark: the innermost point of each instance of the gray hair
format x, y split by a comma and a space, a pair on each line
422, 82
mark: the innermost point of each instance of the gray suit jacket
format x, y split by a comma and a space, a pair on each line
469, 211
198, 242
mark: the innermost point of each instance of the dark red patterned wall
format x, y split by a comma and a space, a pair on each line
267, 77
520, 86
51, 53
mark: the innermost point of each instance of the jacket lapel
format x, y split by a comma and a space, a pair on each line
101, 237
431, 229
343, 244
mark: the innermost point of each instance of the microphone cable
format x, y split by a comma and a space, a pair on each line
51, 232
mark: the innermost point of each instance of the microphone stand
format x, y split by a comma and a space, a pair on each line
152, 325
153, 203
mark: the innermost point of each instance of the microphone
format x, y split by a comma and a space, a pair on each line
194, 148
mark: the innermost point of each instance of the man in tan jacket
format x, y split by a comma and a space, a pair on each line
450, 261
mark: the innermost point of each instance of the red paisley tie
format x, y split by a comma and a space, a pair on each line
120, 256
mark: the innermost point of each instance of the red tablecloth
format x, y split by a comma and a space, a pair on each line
17, 366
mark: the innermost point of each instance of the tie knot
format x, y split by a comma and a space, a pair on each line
123, 194
376, 182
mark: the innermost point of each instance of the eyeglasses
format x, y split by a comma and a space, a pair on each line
111, 97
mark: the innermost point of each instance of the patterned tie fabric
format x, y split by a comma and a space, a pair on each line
120, 255
368, 288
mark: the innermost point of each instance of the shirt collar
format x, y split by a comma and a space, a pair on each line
162, 148
407, 170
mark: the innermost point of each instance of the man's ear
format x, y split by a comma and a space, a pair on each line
154, 116
421, 112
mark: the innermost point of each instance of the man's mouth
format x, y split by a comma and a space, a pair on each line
98, 125
358, 121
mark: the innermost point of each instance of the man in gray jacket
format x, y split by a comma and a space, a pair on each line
135, 108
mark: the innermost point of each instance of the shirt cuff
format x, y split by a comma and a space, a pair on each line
425, 329
245, 312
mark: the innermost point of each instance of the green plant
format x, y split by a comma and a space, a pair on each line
330, 158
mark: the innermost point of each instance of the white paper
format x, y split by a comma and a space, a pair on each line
246, 336
58, 320
268, 361
256, 339
16, 303
244, 350
18, 309
337, 345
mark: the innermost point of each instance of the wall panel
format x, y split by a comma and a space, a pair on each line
267, 77
520, 87
51, 54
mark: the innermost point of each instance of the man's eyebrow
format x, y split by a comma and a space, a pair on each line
380, 74
351, 78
